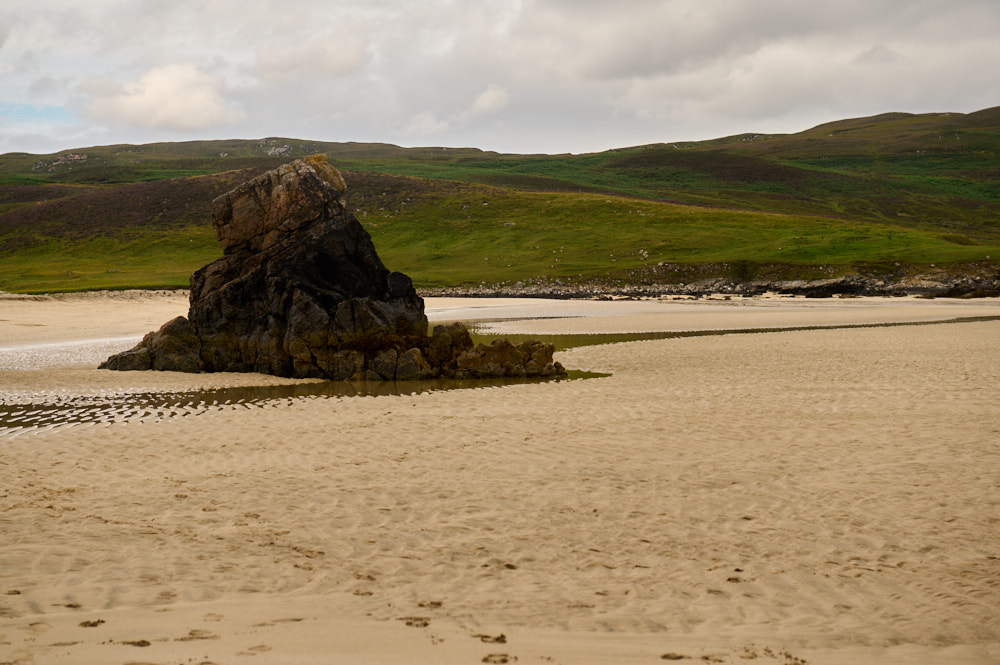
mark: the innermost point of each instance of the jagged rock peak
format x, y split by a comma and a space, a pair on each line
259, 212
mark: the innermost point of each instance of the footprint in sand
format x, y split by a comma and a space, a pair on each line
38, 627
492, 639
253, 651
197, 634
277, 621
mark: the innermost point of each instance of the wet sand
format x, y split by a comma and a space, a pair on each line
825, 495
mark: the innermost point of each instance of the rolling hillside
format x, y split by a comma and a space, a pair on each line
892, 193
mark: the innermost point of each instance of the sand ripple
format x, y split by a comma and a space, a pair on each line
825, 489
809, 485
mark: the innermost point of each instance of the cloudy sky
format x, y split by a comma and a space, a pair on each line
508, 75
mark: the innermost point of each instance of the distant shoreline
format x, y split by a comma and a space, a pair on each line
983, 284
949, 286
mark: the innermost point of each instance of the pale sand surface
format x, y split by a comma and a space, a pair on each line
107, 314
503, 315
824, 495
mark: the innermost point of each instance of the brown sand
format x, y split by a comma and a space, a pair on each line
824, 495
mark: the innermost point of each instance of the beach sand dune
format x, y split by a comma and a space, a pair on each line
821, 496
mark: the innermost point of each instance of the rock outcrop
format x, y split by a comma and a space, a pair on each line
301, 292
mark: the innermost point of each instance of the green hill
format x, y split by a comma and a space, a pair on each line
903, 189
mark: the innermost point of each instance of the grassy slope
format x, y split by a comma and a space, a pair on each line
520, 235
896, 188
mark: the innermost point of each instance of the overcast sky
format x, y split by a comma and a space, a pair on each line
508, 75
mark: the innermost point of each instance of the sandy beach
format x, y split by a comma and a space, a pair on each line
822, 496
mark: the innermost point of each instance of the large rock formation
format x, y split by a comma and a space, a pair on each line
301, 292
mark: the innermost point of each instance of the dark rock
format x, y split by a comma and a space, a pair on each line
174, 347
502, 358
412, 365
491, 360
133, 359
343, 364
300, 291
538, 358
447, 344
300, 277
384, 364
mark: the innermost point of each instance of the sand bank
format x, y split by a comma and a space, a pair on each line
554, 317
826, 495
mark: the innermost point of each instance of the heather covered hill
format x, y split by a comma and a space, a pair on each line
896, 190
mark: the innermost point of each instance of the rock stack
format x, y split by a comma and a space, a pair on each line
301, 292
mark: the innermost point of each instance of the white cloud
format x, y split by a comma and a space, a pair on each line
425, 124
47, 86
880, 54
510, 75
329, 56
173, 97
491, 100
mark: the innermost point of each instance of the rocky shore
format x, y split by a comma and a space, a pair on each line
984, 283
947, 285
